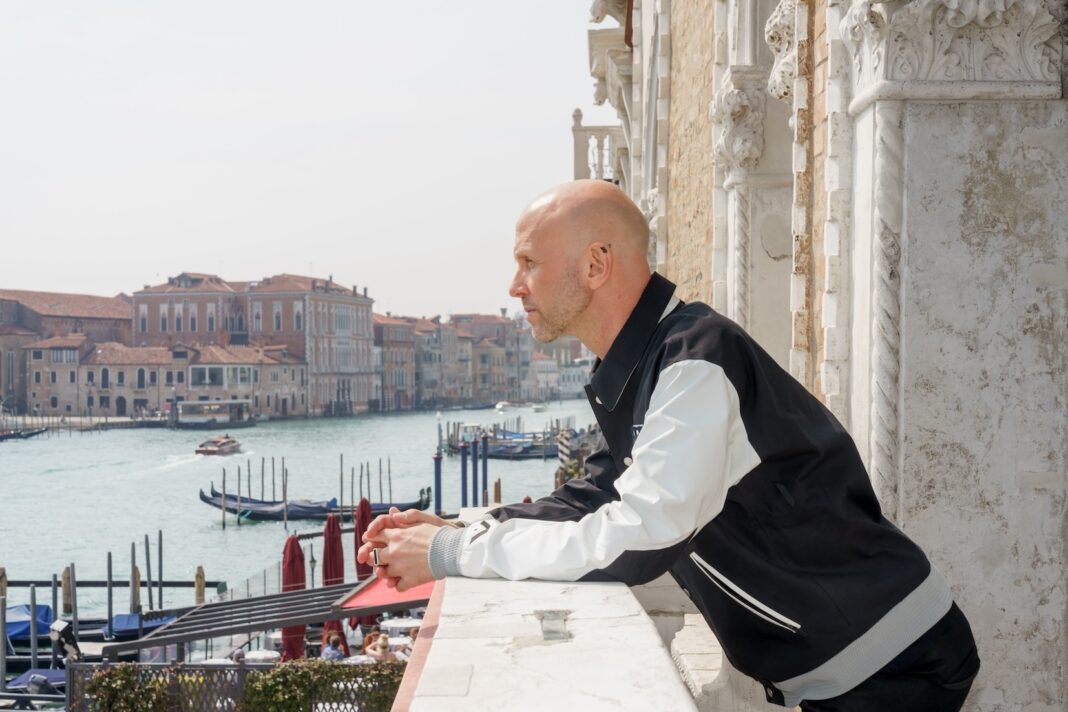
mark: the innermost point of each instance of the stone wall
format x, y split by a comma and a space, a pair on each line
690, 176
985, 380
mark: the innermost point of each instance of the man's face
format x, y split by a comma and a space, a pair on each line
548, 281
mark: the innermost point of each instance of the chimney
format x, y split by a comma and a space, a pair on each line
504, 312
365, 291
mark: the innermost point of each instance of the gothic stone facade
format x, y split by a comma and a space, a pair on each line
875, 190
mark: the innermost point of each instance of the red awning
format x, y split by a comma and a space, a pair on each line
376, 597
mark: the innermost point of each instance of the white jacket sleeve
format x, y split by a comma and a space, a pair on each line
692, 447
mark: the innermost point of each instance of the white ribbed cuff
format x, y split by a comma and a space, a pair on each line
444, 553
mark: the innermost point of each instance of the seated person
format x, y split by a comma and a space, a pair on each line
371, 638
380, 650
407, 648
332, 650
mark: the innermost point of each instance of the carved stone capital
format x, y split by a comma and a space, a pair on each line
601, 9
738, 113
779, 34
953, 49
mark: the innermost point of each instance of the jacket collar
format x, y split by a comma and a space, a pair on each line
610, 376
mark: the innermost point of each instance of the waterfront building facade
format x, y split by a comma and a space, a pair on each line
74, 376
489, 372
547, 372
873, 190
29, 316
396, 339
318, 321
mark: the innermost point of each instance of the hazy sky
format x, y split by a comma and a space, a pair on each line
388, 143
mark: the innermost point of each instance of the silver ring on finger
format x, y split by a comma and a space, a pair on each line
374, 557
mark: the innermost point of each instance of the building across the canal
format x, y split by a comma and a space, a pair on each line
29, 316
324, 325
75, 376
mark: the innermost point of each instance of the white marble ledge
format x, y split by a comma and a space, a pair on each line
536, 645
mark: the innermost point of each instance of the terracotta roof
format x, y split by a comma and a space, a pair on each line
71, 341
461, 334
383, 320
115, 354
299, 283
539, 356
225, 355
85, 306
196, 281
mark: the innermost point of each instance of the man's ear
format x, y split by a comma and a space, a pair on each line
599, 261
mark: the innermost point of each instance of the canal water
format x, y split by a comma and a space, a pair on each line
67, 499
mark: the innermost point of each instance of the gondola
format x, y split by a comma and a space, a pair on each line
272, 510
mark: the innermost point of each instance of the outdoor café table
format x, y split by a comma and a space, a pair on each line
399, 626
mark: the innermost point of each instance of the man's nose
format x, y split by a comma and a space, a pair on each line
516, 288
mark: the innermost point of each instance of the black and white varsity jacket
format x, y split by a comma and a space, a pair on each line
719, 467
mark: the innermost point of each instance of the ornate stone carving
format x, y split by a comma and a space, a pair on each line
953, 41
738, 111
779, 34
886, 336
610, 66
603, 8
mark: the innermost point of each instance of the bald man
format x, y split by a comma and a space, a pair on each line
714, 465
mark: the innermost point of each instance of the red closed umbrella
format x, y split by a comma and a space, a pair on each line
293, 580
363, 520
333, 573
363, 571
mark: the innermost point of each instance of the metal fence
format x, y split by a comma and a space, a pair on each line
198, 688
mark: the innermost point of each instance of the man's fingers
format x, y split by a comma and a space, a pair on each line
412, 517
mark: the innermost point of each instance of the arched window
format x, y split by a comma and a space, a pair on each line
140, 378
298, 321
105, 378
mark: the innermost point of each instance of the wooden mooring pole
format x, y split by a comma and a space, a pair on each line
198, 590
223, 508
66, 591
148, 571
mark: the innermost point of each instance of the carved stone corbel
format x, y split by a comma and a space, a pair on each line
610, 66
779, 34
738, 113
601, 9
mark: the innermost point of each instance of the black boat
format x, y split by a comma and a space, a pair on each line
275, 510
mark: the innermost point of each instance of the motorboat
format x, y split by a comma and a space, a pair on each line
222, 445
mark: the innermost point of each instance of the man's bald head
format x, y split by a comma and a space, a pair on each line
581, 265
588, 211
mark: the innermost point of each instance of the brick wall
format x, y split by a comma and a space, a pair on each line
690, 174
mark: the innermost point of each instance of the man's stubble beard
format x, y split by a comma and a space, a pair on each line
572, 300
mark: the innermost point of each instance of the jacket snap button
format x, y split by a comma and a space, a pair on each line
628, 461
